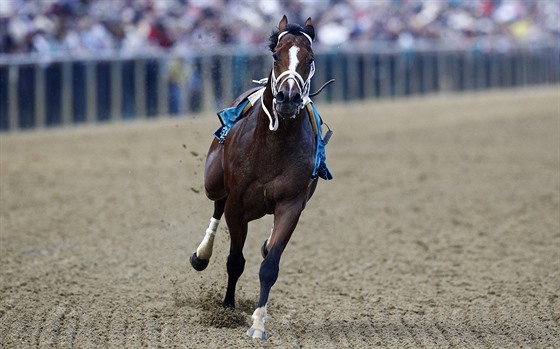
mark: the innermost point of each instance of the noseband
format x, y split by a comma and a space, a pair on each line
277, 82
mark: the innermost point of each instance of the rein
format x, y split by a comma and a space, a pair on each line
274, 126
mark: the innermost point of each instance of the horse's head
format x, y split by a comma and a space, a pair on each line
293, 67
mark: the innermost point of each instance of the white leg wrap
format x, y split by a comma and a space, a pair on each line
204, 250
259, 318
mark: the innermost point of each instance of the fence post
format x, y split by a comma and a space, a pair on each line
352, 74
468, 71
163, 87
442, 72
369, 78
340, 72
184, 88
40, 113
91, 92
206, 83
226, 74
430, 72
140, 88
13, 108
66, 102
385, 74
116, 90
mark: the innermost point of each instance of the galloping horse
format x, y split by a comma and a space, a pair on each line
268, 164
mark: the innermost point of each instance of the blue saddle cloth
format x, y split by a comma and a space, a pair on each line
229, 116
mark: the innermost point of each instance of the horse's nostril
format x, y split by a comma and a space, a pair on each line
297, 98
280, 97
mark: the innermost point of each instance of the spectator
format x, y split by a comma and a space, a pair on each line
74, 27
176, 78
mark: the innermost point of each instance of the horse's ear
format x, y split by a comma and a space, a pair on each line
283, 24
309, 28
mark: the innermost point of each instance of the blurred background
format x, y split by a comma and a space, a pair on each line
66, 62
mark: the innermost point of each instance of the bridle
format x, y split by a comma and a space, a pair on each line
277, 82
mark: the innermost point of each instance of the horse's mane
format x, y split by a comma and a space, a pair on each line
291, 28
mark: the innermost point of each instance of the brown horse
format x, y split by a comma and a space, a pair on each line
266, 165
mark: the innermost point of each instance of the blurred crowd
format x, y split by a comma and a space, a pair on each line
80, 27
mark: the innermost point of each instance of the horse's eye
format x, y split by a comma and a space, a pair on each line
275, 57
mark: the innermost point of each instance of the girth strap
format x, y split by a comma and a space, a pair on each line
312, 119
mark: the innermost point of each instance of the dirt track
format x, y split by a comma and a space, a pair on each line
440, 229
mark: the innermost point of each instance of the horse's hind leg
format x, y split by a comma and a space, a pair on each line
215, 190
214, 173
235, 261
201, 257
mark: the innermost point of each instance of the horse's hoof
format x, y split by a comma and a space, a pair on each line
264, 251
256, 333
198, 264
228, 305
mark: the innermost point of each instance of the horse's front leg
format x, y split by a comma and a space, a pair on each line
286, 217
264, 247
201, 257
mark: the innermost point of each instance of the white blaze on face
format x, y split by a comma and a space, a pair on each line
294, 61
